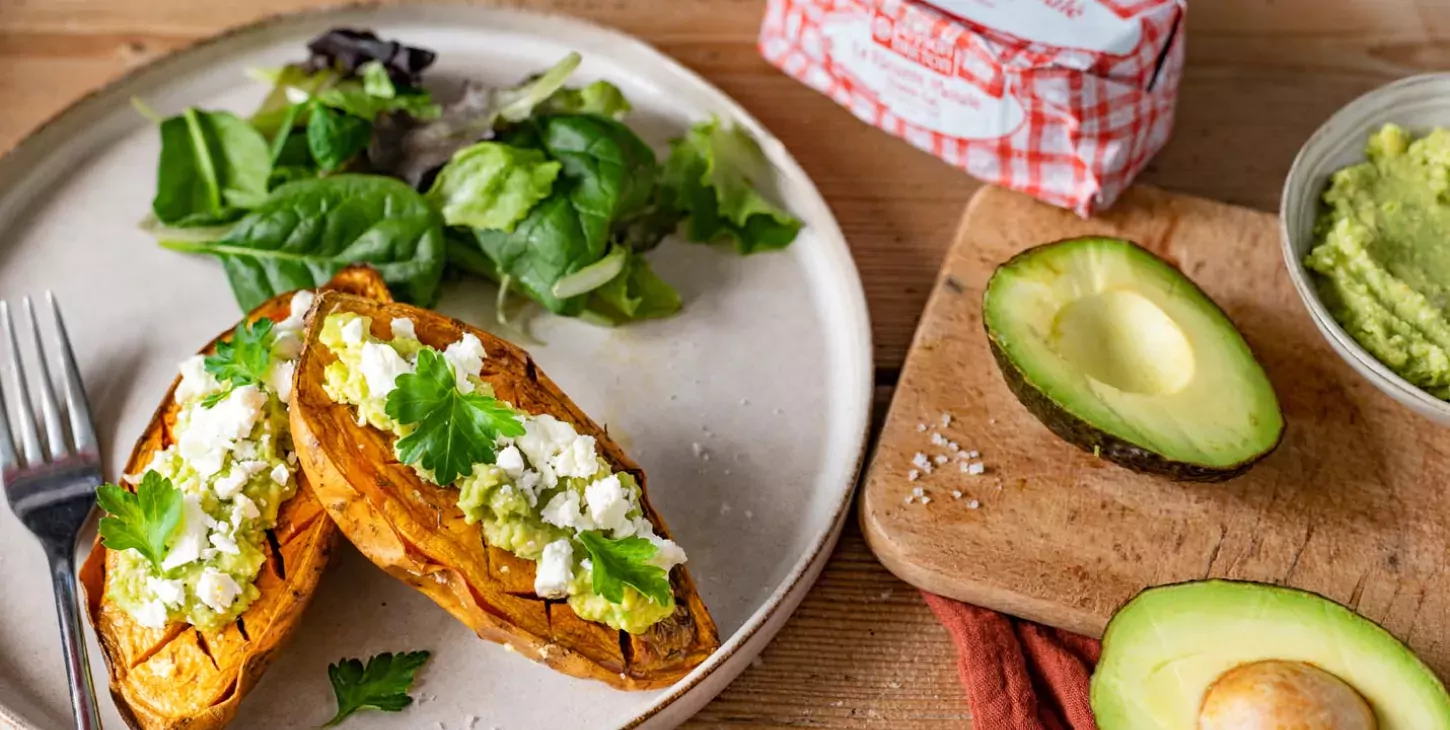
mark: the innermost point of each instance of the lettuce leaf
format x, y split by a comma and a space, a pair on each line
711, 173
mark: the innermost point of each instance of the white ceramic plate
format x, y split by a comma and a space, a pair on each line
768, 369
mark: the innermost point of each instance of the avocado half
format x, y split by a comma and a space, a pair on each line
1119, 353
1171, 649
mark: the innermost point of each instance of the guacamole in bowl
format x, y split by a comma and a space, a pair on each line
1381, 254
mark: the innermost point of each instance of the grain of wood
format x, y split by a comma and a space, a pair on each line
1260, 77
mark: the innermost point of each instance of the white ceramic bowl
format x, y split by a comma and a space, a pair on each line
1417, 103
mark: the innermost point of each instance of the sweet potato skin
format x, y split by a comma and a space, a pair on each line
415, 531
181, 678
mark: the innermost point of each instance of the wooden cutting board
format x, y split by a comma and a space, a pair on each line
1352, 505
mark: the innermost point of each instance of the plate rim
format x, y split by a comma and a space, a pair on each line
791, 591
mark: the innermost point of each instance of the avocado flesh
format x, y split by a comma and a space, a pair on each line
1165, 648
1120, 354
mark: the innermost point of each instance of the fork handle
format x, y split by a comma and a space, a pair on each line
73, 642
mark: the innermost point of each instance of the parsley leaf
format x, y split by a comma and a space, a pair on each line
625, 562
242, 360
454, 431
383, 684
142, 520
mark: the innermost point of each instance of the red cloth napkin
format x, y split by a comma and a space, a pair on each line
1019, 675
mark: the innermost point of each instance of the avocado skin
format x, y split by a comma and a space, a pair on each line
1084, 435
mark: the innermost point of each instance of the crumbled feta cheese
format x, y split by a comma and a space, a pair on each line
937, 439
280, 474
529, 482
196, 382
511, 461
667, 553
212, 432
279, 379
301, 302
151, 614
380, 366
913, 475
466, 356
577, 459
973, 504
554, 570
921, 462
940, 458
224, 543
608, 504
976, 468
564, 511
544, 437
352, 331
286, 344
243, 508
952, 446
190, 535
403, 329
973, 454
230, 484
217, 589
169, 592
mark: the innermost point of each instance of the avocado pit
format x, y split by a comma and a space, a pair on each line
1274, 694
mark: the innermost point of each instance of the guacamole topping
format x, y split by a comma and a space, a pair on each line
1380, 255
232, 460
544, 490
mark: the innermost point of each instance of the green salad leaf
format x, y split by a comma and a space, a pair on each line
308, 230
636, 293
712, 172
382, 684
142, 520
412, 152
601, 98
241, 360
625, 562
607, 174
491, 185
454, 430
375, 94
292, 87
213, 166
334, 138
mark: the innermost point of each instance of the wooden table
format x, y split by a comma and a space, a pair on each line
863, 651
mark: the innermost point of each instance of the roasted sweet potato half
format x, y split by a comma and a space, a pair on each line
180, 676
416, 531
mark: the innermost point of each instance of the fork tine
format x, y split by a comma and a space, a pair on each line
24, 413
82, 432
9, 460
55, 441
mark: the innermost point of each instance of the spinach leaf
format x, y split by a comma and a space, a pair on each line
376, 95
548, 245
614, 171
335, 138
711, 174
636, 293
213, 165
308, 230
490, 185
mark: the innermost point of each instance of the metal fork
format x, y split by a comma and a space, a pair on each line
51, 482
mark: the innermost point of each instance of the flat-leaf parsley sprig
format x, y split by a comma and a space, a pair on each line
454, 430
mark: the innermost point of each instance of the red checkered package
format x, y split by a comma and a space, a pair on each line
1065, 100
